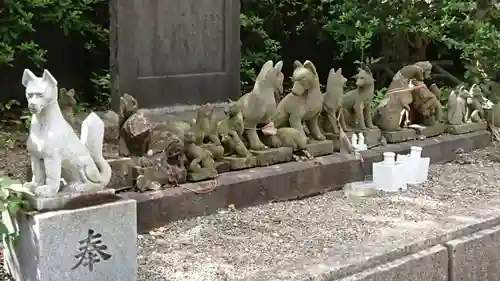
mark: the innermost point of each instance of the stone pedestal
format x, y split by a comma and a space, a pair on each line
271, 156
201, 175
429, 131
240, 163
320, 148
466, 128
84, 244
404, 134
372, 137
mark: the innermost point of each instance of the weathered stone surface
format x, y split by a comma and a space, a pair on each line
466, 128
239, 163
400, 136
60, 200
372, 136
272, 156
60, 236
222, 166
430, 131
121, 178
476, 257
426, 265
202, 174
320, 148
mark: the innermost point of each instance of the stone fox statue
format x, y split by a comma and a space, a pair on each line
259, 106
55, 150
332, 102
457, 106
357, 103
304, 103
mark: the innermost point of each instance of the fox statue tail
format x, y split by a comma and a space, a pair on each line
92, 136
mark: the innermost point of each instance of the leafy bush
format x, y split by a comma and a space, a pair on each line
11, 202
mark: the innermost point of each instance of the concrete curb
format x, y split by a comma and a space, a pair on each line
283, 182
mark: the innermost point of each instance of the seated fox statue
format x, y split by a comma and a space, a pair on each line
55, 150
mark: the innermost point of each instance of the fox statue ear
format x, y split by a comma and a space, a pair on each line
47, 77
28, 76
309, 65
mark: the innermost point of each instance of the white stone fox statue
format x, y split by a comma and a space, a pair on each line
55, 150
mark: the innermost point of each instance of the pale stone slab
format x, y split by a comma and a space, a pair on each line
426, 265
476, 257
51, 244
466, 128
60, 200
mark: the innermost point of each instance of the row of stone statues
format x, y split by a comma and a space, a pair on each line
256, 130
259, 131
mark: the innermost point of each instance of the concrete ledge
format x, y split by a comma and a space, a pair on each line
426, 265
475, 257
284, 181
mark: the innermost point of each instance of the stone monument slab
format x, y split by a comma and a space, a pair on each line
466, 128
84, 244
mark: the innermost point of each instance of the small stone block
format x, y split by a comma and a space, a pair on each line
122, 173
66, 241
320, 148
372, 136
59, 201
466, 128
271, 156
222, 166
400, 136
430, 131
150, 173
239, 163
203, 174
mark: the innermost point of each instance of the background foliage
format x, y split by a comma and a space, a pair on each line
331, 33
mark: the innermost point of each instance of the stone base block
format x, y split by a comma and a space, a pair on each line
271, 156
466, 128
372, 136
222, 166
427, 265
320, 148
203, 174
476, 257
67, 200
158, 175
400, 136
239, 163
121, 178
429, 131
85, 244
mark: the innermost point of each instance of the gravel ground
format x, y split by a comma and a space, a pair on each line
251, 243
276, 241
